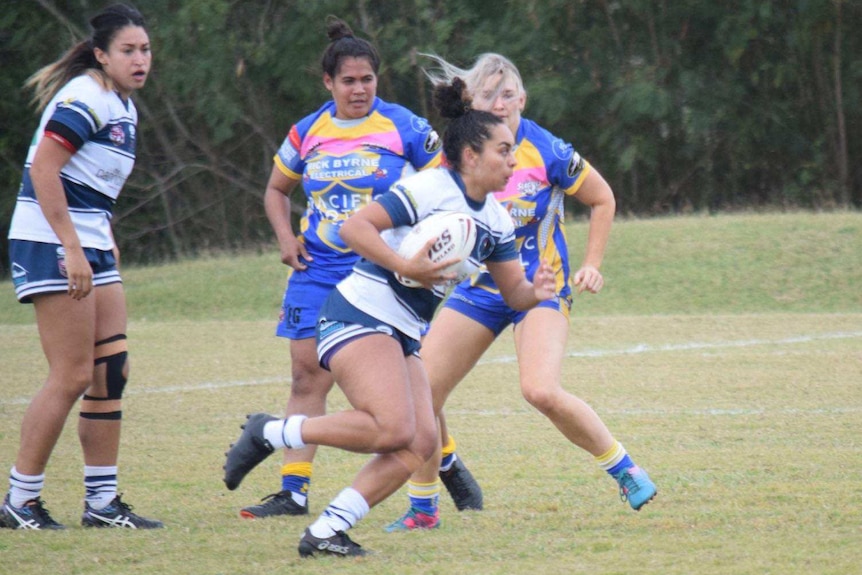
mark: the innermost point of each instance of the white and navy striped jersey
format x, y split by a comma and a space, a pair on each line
374, 289
99, 128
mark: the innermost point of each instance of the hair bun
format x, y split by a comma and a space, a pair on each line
452, 99
336, 29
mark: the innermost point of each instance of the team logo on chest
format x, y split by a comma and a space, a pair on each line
118, 135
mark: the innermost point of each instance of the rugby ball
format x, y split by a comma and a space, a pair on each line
455, 233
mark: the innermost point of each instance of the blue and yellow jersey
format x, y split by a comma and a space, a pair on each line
547, 169
344, 164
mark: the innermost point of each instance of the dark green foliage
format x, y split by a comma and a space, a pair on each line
687, 105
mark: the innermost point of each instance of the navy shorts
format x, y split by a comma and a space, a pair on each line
306, 291
340, 323
39, 268
489, 309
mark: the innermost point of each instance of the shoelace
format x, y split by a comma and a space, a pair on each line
275, 496
627, 484
410, 515
121, 505
39, 510
346, 540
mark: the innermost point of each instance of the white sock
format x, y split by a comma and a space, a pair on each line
285, 432
343, 512
23, 488
293, 431
100, 483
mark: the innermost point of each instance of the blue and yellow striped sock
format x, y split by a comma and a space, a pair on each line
296, 478
449, 456
424, 496
615, 459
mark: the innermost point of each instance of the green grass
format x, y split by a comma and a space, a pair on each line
796, 262
724, 353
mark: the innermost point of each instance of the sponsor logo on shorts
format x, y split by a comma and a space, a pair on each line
19, 274
462, 298
327, 327
61, 262
293, 315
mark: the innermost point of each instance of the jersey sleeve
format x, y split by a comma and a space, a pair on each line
78, 115
288, 158
412, 198
400, 205
566, 168
423, 147
505, 248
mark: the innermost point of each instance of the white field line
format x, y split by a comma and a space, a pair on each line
634, 350
693, 346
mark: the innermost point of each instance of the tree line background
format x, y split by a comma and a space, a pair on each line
683, 105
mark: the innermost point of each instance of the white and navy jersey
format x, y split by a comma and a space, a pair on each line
374, 289
99, 128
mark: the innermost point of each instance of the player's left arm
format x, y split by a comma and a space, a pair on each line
595, 193
361, 233
518, 292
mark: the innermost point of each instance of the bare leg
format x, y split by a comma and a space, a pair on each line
386, 473
67, 332
540, 342
311, 384
373, 375
450, 350
100, 438
308, 391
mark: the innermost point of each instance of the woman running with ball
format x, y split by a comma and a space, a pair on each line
368, 334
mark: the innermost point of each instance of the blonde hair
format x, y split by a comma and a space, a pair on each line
486, 66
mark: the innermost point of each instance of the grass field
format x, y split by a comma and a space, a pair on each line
725, 353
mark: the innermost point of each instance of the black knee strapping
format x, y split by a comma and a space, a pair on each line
114, 376
114, 355
110, 415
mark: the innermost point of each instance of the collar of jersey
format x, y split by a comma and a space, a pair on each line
458, 180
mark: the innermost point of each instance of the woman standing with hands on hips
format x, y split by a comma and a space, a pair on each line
547, 170
64, 262
345, 154
369, 329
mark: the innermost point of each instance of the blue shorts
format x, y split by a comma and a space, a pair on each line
306, 291
489, 308
340, 323
39, 268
